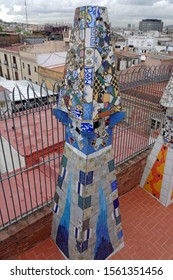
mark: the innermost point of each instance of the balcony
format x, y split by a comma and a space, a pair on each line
6, 62
14, 65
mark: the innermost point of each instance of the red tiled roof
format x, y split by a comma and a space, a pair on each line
34, 129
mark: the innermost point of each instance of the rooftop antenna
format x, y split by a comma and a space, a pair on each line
26, 13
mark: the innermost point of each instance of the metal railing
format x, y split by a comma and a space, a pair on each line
31, 140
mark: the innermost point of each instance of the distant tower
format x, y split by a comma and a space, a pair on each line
26, 13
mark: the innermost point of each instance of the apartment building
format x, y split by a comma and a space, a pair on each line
29, 56
142, 44
20, 62
10, 64
126, 59
151, 24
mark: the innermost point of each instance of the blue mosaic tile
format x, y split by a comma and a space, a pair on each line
60, 181
63, 228
78, 188
62, 116
82, 177
55, 208
84, 245
87, 127
76, 113
89, 178
76, 232
88, 234
64, 172
114, 185
90, 16
81, 19
103, 246
120, 234
115, 118
88, 76
81, 247
116, 203
87, 111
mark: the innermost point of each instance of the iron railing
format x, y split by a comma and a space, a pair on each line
31, 139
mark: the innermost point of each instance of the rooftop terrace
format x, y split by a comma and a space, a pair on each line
31, 143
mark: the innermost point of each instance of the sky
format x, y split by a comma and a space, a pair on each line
121, 12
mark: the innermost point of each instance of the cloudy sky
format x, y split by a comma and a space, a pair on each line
121, 12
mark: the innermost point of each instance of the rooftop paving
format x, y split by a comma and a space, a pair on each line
147, 227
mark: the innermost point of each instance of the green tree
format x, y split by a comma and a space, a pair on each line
18, 29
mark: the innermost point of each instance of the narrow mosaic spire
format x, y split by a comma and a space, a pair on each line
157, 178
86, 219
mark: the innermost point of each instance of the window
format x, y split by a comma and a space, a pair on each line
23, 65
16, 76
5, 59
35, 68
29, 69
14, 59
1, 73
155, 123
8, 74
14, 62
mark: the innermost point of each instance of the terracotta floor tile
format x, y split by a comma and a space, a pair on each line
147, 226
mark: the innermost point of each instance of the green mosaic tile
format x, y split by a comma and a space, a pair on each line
64, 161
111, 165
80, 202
87, 202
118, 220
84, 203
56, 197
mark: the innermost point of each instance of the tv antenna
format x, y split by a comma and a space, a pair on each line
26, 13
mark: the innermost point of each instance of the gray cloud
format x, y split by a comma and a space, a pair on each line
120, 12
140, 2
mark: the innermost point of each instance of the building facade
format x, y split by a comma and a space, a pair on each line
10, 63
151, 24
21, 62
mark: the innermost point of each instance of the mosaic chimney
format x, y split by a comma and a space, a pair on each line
86, 214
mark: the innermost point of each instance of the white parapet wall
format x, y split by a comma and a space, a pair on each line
10, 159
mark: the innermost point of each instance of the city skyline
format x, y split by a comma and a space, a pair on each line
120, 14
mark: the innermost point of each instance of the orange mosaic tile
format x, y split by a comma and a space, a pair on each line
154, 180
